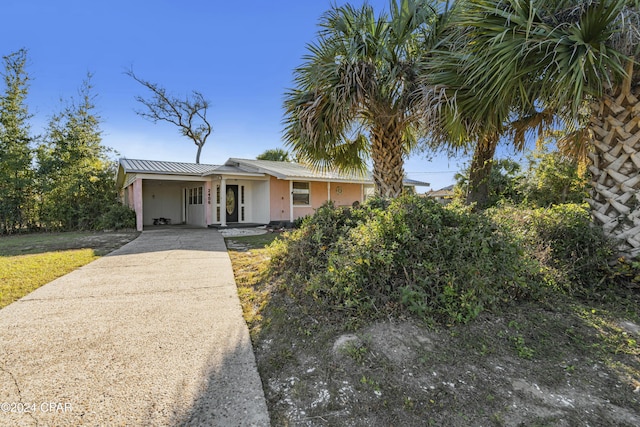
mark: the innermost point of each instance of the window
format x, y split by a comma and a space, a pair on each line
301, 194
369, 191
195, 196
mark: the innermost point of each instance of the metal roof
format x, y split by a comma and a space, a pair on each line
409, 181
282, 170
289, 170
165, 168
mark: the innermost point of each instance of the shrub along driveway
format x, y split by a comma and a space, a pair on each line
150, 335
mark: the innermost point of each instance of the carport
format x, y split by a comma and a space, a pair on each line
167, 192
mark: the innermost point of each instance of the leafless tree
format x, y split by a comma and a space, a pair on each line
188, 114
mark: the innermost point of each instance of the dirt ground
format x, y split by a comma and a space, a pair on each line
531, 367
554, 363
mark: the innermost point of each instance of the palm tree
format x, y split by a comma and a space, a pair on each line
573, 58
274, 154
466, 120
357, 93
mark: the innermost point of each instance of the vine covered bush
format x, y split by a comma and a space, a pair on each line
571, 253
385, 257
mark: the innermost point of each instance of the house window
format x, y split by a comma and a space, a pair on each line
195, 196
301, 194
369, 192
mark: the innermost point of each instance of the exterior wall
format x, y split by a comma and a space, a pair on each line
258, 202
280, 199
129, 196
162, 199
318, 195
137, 203
342, 194
345, 194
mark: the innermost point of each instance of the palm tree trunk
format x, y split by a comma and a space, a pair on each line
480, 172
387, 152
615, 168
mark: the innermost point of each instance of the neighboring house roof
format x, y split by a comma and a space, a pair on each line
409, 181
443, 192
282, 170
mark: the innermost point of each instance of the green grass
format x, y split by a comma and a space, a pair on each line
22, 274
28, 261
23, 244
255, 242
250, 257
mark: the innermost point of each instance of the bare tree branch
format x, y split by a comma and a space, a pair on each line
189, 115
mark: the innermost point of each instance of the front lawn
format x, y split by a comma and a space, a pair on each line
30, 261
22, 274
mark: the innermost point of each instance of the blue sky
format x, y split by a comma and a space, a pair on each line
240, 55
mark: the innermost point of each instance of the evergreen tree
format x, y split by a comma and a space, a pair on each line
75, 173
16, 174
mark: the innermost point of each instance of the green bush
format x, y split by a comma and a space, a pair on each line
117, 217
408, 254
572, 254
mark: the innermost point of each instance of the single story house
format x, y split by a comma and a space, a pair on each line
444, 195
240, 191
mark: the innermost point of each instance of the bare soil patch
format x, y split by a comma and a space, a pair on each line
555, 363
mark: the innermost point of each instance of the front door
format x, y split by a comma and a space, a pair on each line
232, 203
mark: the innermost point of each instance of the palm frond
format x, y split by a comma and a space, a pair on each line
361, 72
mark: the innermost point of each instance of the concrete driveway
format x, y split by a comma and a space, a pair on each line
151, 334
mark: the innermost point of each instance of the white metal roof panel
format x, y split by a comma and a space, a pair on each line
167, 168
289, 170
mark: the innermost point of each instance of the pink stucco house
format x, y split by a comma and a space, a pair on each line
240, 191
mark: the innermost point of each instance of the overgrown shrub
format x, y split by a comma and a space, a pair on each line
408, 254
117, 217
573, 254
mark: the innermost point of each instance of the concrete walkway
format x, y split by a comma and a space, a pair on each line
152, 334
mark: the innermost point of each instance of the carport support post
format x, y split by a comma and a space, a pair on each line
223, 202
137, 202
208, 206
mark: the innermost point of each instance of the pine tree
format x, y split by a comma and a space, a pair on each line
75, 173
16, 174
